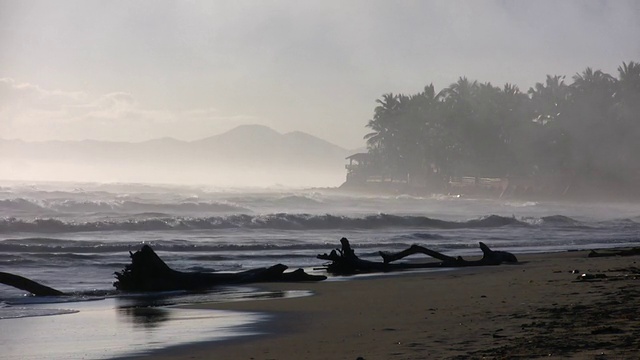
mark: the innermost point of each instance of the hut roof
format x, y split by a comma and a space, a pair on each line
359, 157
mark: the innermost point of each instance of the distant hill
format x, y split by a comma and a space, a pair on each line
247, 149
261, 144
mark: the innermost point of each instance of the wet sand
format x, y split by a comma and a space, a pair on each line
535, 309
539, 308
103, 329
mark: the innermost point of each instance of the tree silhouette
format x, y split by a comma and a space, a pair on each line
585, 132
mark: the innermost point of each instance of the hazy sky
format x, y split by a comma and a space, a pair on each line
135, 70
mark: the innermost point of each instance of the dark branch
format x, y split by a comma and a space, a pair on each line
25, 284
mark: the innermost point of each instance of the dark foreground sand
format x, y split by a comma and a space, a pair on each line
535, 309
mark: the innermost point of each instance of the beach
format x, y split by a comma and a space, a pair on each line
542, 307
74, 238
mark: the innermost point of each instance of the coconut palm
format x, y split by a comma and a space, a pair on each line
549, 99
587, 128
589, 122
627, 93
382, 123
385, 141
626, 124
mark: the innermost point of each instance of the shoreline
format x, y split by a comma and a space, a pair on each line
534, 309
583, 198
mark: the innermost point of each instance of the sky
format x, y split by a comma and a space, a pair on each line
138, 70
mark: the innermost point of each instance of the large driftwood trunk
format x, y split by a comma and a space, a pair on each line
147, 272
344, 260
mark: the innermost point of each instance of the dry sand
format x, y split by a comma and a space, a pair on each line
534, 309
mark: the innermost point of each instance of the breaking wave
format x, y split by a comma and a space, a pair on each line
110, 206
296, 200
554, 220
424, 236
280, 221
19, 204
560, 220
89, 250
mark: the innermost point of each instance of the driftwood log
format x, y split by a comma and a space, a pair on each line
344, 260
147, 272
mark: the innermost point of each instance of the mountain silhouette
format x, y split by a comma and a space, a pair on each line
261, 144
250, 148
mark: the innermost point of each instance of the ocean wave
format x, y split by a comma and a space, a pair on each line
296, 200
72, 249
279, 200
560, 220
423, 236
280, 221
620, 224
115, 206
144, 207
19, 204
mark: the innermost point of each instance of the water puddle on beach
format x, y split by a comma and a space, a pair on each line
125, 326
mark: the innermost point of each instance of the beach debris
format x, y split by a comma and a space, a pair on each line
147, 272
585, 276
344, 260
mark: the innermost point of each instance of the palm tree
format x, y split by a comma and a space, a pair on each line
589, 121
629, 76
628, 90
626, 126
590, 81
549, 99
478, 129
382, 122
462, 90
426, 136
458, 106
513, 114
385, 141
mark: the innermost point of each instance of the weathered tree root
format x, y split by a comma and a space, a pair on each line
147, 272
344, 260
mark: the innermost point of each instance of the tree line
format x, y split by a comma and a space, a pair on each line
587, 129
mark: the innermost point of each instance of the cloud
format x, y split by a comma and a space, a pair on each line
30, 112
15, 95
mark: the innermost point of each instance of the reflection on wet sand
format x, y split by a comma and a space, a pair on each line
130, 325
148, 311
145, 317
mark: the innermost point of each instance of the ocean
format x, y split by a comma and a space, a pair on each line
73, 237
